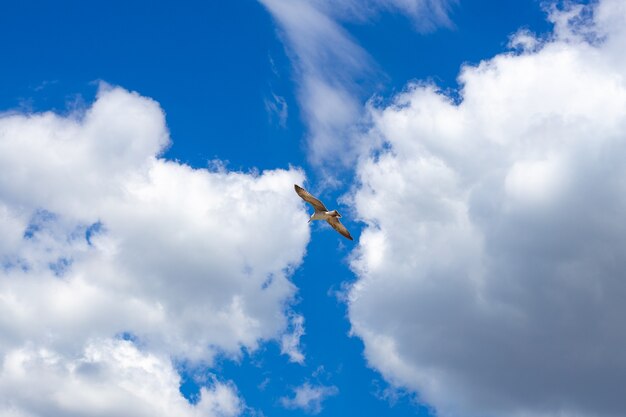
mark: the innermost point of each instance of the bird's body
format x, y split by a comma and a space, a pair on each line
322, 213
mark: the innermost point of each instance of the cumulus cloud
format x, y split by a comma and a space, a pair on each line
100, 237
333, 69
491, 268
309, 397
110, 377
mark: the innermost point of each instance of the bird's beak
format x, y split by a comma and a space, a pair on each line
309, 221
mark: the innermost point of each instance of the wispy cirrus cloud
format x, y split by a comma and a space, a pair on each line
426, 15
335, 75
277, 109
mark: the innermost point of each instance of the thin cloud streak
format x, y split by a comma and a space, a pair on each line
335, 75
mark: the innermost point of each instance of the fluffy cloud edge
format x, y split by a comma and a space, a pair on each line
82, 261
443, 202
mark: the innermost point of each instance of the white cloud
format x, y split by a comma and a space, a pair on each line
277, 108
101, 237
326, 60
333, 69
309, 397
111, 377
524, 40
290, 341
491, 268
425, 14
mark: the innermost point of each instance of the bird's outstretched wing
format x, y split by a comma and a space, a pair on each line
306, 196
336, 224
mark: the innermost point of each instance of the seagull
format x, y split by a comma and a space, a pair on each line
322, 213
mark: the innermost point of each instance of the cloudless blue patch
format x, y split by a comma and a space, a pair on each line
210, 64
189, 386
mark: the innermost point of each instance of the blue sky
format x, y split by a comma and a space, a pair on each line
456, 138
209, 63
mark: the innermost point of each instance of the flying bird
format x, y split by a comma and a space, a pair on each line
322, 213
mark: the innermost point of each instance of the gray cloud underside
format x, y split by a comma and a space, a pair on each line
491, 271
